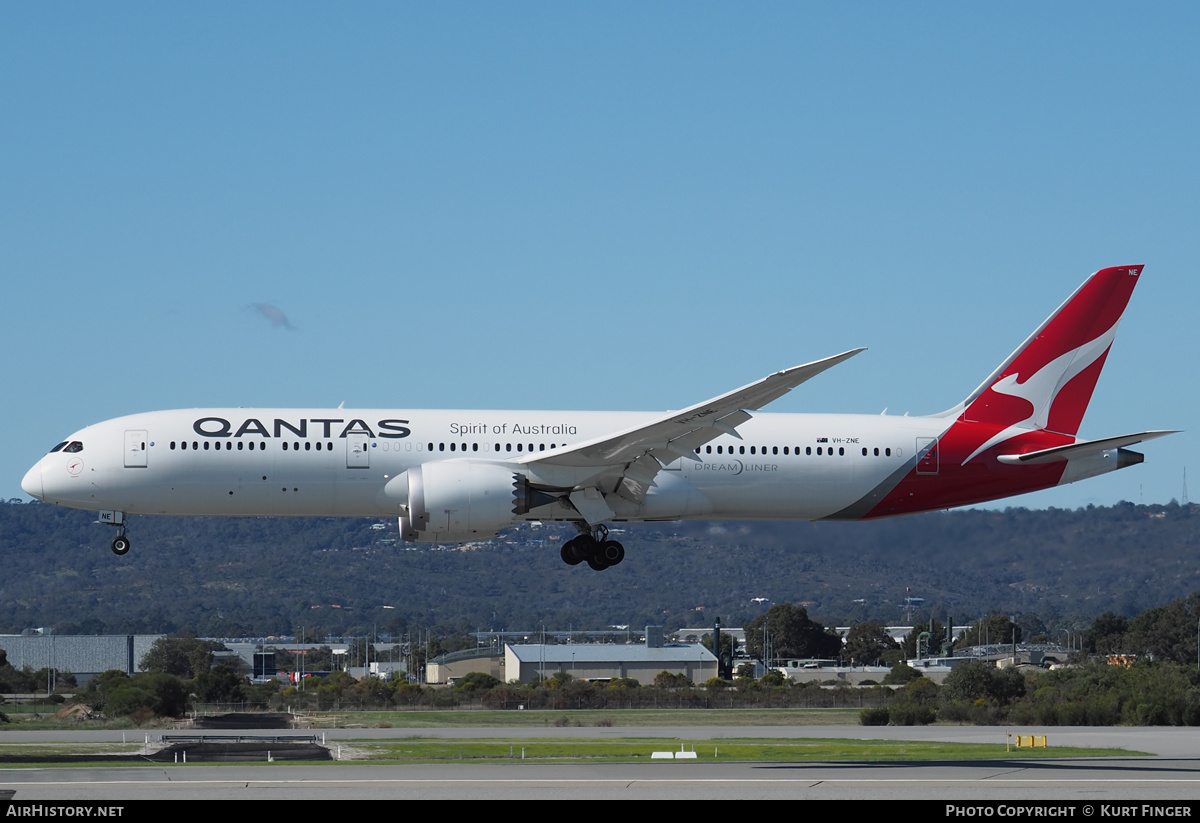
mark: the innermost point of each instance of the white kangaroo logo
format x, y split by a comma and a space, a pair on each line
1042, 388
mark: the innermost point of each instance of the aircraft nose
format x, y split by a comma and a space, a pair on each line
31, 484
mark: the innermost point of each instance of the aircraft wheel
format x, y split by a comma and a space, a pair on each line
612, 552
575, 550
120, 545
596, 562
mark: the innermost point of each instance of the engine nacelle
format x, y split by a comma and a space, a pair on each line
457, 501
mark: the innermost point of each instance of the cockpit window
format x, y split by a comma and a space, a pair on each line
58, 447
74, 446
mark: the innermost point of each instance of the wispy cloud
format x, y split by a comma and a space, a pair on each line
274, 314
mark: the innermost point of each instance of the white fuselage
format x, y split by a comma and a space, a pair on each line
459, 476
337, 463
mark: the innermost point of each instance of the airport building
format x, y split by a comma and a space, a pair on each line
82, 655
527, 662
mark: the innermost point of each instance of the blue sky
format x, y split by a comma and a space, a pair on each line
589, 206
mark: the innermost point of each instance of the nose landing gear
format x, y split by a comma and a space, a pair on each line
593, 546
120, 543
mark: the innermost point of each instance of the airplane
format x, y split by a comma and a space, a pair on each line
463, 476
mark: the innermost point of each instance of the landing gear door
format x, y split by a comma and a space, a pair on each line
135, 449
357, 456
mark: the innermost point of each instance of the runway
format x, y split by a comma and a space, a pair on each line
1172, 773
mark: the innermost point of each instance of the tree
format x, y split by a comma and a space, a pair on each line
221, 684
667, 680
773, 678
914, 704
143, 695
727, 642
473, 681
1106, 634
865, 642
1166, 633
901, 674
969, 682
791, 634
181, 655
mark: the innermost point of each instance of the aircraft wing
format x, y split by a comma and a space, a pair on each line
628, 460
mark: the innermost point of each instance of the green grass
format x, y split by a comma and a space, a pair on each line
751, 750
585, 750
30, 750
488, 719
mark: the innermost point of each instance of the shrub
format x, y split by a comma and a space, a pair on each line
911, 714
874, 717
900, 674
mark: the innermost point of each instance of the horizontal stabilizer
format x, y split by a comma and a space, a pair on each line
1080, 449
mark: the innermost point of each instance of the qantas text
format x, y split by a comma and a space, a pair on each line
326, 426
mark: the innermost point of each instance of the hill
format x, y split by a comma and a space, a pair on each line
228, 577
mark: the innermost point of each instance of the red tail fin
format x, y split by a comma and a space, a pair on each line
1048, 381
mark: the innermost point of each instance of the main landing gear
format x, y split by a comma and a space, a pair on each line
592, 545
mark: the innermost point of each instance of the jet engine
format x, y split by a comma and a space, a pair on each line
456, 501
